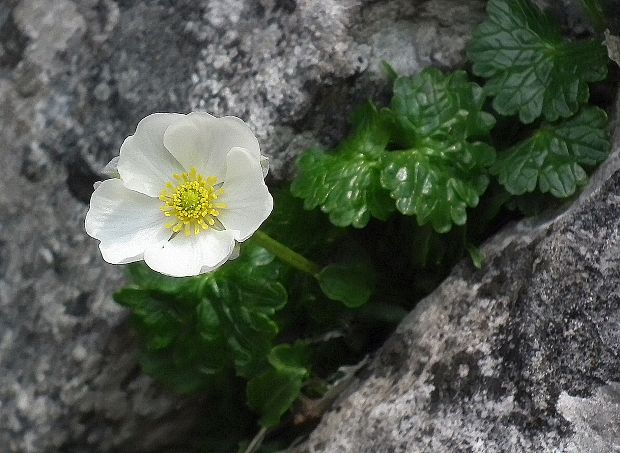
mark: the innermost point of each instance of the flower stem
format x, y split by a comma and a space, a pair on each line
285, 254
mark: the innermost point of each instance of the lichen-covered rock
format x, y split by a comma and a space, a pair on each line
521, 356
75, 78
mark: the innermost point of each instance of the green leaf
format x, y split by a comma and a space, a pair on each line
443, 171
244, 304
146, 278
532, 69
346, 185
291, 359
272, 394
442, 107
436, 118
553, 158
476, 255
152, 316
370, 134
196, 329
189, 364
208, 320
350, 284
175, 351
438, 182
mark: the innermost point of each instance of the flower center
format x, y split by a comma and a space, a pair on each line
191, 199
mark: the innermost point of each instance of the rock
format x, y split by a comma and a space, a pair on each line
520, 356
75, 78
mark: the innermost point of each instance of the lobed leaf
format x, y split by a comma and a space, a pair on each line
244, 306
553, 158
442, 107
443, 172
436, 119
438, 182
346, 185
532, 69
175, 352
194, 328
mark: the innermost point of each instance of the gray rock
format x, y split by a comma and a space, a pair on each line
521, 356
75, 78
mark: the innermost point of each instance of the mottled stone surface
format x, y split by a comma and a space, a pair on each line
521, 356
75, 78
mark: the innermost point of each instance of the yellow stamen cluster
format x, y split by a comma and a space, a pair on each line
192, 200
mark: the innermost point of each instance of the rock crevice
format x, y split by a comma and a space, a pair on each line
522, 355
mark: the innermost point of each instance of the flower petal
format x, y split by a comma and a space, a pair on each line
264, 163
111, 168
246, 195
202, 141
144, 163
126, 222
235, 132
187, 141
183, 256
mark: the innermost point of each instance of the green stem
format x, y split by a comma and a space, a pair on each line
285, 254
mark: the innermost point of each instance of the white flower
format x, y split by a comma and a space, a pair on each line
189, 188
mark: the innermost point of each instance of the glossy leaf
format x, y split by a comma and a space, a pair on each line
554, 157
438, 182
532, 69
441, 107
444, 171
346, 184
